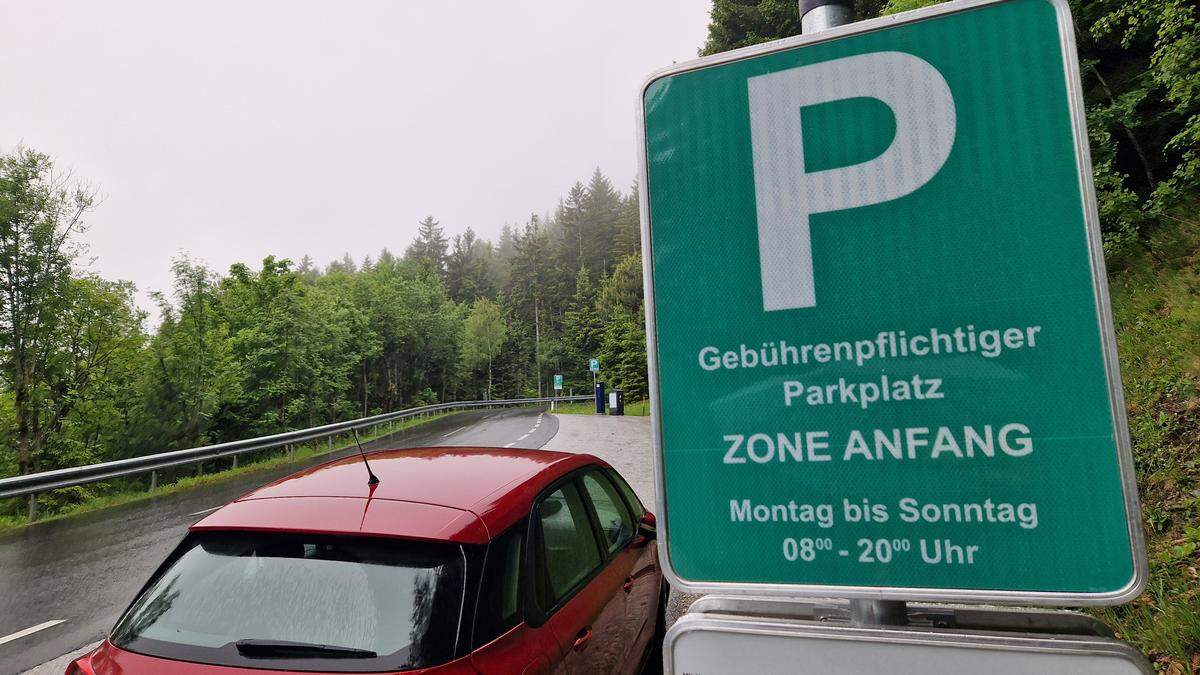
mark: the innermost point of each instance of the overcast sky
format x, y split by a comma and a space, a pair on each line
234, 130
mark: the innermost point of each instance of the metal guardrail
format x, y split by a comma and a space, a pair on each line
31, 484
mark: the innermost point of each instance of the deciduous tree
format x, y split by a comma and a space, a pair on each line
41, 215
485, 332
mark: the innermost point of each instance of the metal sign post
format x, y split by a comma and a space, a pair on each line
816, 16
594, 367
881, 356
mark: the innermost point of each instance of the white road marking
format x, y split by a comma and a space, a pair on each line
31, 630
523, 437
509, 445
454, 432
200, 513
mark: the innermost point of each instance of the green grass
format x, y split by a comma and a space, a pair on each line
639, 408
96, 502
1156, 307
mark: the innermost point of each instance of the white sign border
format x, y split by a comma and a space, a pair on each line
1104, 318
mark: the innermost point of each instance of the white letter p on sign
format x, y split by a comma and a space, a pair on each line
786, 195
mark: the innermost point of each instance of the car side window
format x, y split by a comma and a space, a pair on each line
500, 591
616, 524
631, 497
566, 551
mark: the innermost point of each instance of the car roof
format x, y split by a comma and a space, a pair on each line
463, 495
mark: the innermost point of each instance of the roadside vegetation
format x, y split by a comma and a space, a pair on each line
638, 408
1156, 305
1140, 62
216, 471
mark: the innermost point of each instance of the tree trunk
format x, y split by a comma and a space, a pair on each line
24, 456
1133, 141
394, 398
537, 346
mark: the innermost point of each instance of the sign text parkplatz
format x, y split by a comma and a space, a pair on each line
881, 352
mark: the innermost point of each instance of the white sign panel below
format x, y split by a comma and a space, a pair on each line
699, 645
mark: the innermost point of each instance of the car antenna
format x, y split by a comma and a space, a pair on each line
373, 480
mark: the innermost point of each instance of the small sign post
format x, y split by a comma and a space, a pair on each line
881, 351
594, 367
558, 386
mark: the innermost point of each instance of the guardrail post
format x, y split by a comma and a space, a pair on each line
33, 507
329, 442
199, 469
292, 452
153, 481
235, 461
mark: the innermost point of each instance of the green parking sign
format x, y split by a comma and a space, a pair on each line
881, 351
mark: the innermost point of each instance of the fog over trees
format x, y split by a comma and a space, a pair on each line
282, 344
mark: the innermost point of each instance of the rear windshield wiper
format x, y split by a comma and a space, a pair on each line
299, 650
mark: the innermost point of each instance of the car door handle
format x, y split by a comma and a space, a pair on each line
628, 585
583, 638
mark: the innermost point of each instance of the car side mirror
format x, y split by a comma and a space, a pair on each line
647, 529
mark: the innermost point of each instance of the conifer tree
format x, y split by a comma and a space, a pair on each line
570, 226
601, 209
628, 239
430, 246
467, 268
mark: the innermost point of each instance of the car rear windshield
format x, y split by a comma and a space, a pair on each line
295, 602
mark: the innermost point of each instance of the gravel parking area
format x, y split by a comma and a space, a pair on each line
623, 442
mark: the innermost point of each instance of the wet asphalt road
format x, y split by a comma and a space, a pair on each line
86, 569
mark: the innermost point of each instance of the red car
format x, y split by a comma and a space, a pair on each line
459, 560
